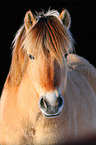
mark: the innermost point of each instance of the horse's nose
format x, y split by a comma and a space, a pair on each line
51, 106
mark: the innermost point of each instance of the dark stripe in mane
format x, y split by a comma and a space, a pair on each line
49, 34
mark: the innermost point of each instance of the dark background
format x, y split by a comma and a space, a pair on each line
83, 26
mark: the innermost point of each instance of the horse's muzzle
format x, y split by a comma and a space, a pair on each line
51, 106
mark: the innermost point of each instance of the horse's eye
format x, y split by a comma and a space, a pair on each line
48, 50
31, 57
66, 54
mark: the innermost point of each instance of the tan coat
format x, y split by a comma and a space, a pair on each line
77, 119
21, 121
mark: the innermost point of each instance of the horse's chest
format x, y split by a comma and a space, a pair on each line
28, 136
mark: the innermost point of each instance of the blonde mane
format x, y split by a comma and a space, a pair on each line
47, 35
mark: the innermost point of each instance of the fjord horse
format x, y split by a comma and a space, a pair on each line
48, 97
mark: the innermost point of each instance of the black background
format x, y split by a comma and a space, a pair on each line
83, 26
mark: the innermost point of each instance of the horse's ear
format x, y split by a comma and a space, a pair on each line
29, 20
65, 17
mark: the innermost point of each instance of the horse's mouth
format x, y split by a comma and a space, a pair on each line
52, 115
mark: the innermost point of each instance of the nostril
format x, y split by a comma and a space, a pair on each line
43, 104
60, 101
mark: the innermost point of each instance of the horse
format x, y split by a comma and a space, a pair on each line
49, 96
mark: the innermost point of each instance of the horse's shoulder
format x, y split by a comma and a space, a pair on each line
81, 66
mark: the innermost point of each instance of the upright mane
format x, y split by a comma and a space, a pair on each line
48, 34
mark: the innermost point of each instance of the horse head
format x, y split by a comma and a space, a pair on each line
47, 41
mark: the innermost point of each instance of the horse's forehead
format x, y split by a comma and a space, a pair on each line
48, 35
